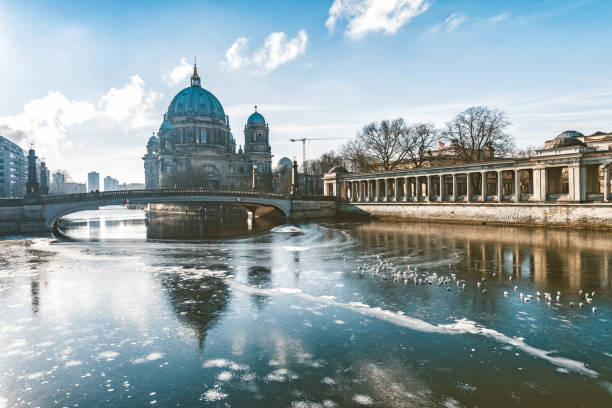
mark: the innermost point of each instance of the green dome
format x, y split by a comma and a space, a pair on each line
196, 101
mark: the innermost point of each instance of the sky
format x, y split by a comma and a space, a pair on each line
88, 82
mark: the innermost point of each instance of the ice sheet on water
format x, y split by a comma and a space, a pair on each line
36, 375
214, 394
150, 357
107, 355
286, 229
281, 375
312, 404
362, 399
460, 326
225, 376
295, 248
73, 363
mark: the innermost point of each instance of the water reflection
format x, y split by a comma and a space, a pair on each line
198, 300
544, 256
283, 317
116, 222
259, 277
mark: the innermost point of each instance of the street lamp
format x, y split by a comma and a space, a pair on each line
254, 176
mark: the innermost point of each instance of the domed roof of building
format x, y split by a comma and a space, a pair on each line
283, 164
338, 169
256, 118
153, 139
166, 126
569, 138
196, 101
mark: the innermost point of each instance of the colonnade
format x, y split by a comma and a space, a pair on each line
579, 183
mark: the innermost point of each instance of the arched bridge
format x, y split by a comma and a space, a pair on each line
17, 216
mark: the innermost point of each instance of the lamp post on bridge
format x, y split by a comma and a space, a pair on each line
254, 181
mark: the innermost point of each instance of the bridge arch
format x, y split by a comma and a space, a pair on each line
55, 207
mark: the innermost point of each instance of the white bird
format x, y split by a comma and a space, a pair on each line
594, 309
580, 305
506, 293
515, 288
510, 278
478, 284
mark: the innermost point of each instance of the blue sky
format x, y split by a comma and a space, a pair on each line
89, 81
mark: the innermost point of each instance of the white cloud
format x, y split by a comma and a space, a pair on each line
498, 18
450, 23
46, 121
234, 57
131, 105
367, 16
276, 51
178, 73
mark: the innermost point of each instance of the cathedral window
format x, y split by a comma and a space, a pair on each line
259, 139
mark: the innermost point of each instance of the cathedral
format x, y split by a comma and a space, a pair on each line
194, 147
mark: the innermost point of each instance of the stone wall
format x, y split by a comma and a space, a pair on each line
302, 209
21, 220
592, 215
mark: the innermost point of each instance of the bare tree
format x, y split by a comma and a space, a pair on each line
378, 146
418, 142
527, 152
324, 163
478, 134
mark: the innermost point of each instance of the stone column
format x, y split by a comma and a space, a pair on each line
377, 192
583, 183
405, 188
517, 187
417, 187
441, 198
483, 187
468, 183
454, 187
395, 191
428, 197
500, 186
606, 191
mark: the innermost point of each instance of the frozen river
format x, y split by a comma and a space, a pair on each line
178, 311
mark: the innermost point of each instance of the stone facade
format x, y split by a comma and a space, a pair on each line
194, 147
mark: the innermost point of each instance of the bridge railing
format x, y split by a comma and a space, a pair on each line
11, 202
126, 194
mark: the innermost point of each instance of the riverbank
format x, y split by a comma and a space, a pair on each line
531, 214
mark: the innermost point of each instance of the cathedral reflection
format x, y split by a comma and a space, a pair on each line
259, 277
198, 300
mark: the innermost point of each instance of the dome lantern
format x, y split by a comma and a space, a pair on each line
195, 78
